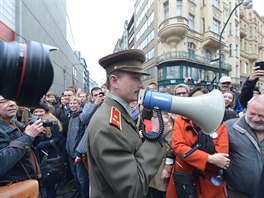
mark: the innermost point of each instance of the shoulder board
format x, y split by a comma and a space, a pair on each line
115, 118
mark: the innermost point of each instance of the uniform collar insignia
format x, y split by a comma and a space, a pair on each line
115, 118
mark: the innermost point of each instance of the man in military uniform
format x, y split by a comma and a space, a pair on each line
120, 165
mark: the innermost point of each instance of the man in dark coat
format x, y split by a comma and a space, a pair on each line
120, 165
18, 162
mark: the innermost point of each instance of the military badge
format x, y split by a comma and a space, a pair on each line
115, 118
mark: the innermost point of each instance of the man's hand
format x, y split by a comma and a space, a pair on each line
99, 100
77, 160
166, 172
256, 74
35, 129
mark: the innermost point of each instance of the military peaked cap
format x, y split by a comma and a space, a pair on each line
127, 60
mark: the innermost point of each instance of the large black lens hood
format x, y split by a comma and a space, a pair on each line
26, 72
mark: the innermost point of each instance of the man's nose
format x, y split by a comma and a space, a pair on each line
141, 85
256, 118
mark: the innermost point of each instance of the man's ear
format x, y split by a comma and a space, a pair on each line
113, 79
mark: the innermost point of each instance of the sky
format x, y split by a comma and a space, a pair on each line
96, 27
98, 24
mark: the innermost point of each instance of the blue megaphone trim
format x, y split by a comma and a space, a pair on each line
154, 99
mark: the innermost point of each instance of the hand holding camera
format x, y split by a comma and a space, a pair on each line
35, 129
100, 99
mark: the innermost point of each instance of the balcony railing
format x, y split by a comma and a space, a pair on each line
185, 56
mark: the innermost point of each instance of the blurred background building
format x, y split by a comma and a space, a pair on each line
181, 39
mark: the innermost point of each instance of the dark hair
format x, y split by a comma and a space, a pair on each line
95, 89
197, 88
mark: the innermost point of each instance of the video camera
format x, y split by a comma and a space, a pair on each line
26, 71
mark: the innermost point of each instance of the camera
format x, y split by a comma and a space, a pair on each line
101, 94
260, 64
45, 122
20, 65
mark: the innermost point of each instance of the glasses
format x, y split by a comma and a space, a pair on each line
226, 83
181, 93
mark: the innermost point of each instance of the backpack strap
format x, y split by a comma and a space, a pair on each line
57, 149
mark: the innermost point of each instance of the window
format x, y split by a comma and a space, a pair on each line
237, 52
173, 72
166, 10
150, 54
230, 7
245, 68
230, 28
216, 3
195, 75
160, 74
237, 30
203, 25
179, 8
191, 22
216, 26
191, 48
208, 54
184, 71
230, 49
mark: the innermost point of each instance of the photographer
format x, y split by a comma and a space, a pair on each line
18, 161
43, 142
249, 85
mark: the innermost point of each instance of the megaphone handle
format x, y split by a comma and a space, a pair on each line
161, 127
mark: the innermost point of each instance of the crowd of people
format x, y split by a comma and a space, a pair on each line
100, 137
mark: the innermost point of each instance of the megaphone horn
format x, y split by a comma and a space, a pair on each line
207, 110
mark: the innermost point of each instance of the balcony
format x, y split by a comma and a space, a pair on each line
243, 33
261, 45
172, 30
210, 40
252, 57
185, 56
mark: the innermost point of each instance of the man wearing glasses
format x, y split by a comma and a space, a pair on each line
182, 90
18, 162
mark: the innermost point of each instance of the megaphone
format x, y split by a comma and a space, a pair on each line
207, 111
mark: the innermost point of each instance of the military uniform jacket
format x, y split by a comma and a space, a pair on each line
120, 165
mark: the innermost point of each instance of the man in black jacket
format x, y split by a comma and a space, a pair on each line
249, 85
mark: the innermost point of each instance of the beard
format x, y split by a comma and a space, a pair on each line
257, 127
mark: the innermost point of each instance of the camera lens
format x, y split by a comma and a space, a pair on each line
22, 67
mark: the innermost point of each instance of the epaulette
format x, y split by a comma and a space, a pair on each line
115, 118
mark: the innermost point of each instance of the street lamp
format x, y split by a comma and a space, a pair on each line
247, 4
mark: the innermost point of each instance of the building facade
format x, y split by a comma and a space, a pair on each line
181, 40
46, 22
